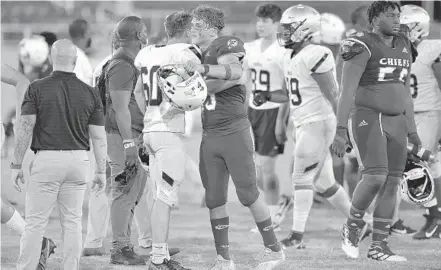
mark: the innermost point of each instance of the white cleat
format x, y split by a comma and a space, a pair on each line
350, 239
222, 264
268, 259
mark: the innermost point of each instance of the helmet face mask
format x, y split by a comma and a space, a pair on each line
298, 24
417, 186
184, 91
416, 22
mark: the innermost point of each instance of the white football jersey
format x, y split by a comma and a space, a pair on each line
308, 104
98, 69
266, 69
160, 114
423, 84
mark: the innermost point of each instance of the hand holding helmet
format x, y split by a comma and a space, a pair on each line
184, 91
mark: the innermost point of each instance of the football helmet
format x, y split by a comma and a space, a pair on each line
298, 24
417, 185
415, 22
184, 91
33, 51
332, 29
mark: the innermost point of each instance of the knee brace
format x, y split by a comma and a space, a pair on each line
247, 194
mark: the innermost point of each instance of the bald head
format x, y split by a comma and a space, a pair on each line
64, 55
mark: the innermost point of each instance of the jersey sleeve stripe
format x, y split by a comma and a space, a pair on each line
319, 63
362, 43
196, 52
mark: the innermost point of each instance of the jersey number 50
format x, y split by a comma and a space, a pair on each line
293, 87
153, 93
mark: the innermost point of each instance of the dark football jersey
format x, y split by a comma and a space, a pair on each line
382, 85
224, 112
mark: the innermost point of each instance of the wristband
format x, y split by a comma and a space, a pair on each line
15, 166
129, 144
206, 69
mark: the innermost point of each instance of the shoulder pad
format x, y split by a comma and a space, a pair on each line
350, 48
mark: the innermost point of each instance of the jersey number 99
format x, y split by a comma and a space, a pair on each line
293, 87
153, 93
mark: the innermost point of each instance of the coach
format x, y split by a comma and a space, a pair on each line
124, 123
61, 113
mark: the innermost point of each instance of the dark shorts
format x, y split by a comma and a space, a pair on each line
263, 123
224, 155
380, 141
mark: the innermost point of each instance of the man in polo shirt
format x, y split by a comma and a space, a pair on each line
128, 177
61, 113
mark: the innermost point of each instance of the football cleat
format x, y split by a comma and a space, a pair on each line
126, 256
47, 248
293, 240
400, 229
285, 205
382, 252
350, 239
222, 264
268, 259
429, 230
167, 265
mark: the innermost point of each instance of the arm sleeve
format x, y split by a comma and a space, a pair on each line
321, 61
29, 105
97, 116
120, 77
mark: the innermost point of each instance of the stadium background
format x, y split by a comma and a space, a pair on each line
21, 18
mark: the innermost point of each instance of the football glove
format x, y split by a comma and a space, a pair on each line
260, 97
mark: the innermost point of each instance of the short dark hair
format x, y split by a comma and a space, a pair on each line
78, 28
378, 7
177, 23
127, 29
49, 37
214, 17
271, 11
357, 13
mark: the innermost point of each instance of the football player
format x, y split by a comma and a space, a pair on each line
163, 123
309, 71
375, 81
10, 217
425, 89
227, 146
264, 59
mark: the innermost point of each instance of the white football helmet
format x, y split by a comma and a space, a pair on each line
298, 24
417, 185
33, 51
184, 91
416, 22
332, 29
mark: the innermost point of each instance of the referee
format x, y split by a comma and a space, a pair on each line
60, 113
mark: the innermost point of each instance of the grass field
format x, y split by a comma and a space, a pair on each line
190, 228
